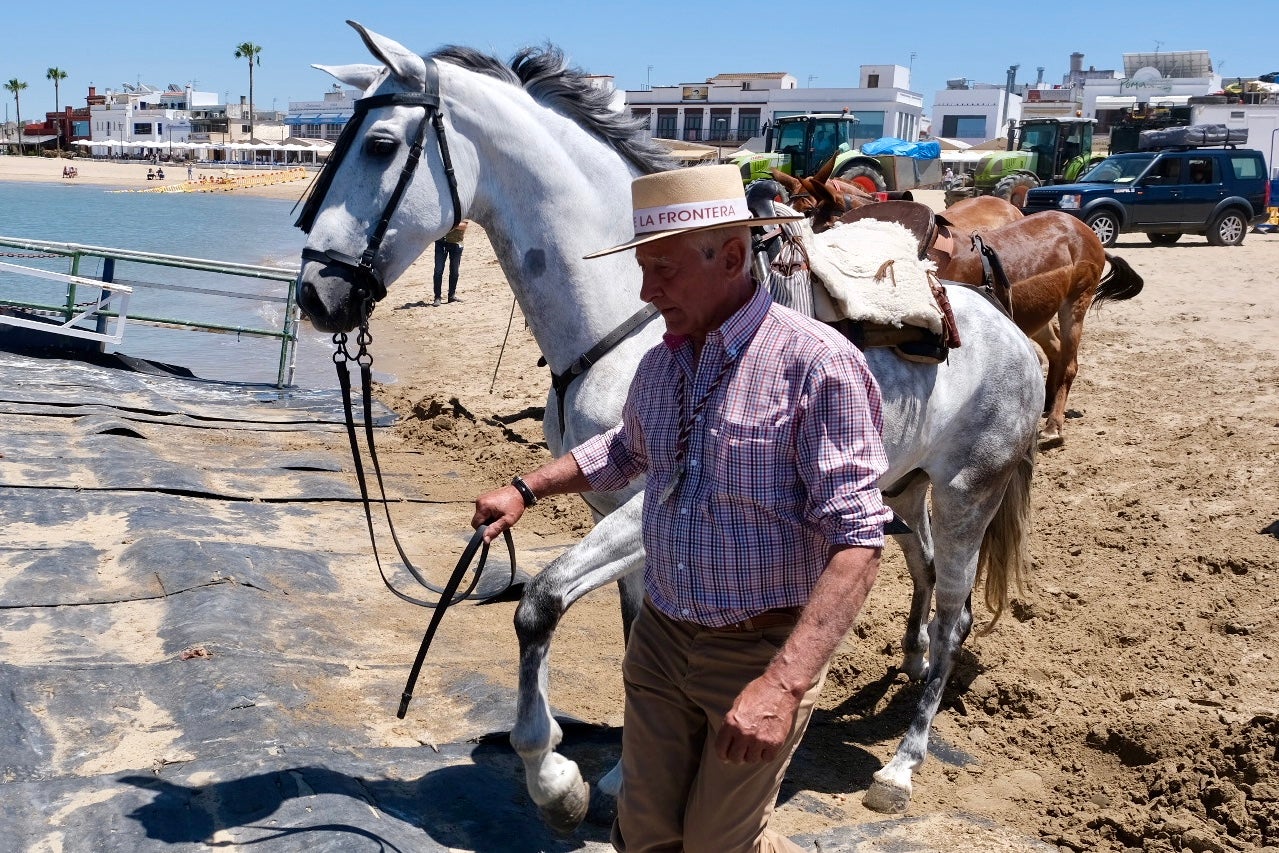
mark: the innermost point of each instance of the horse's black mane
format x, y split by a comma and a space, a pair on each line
545, 74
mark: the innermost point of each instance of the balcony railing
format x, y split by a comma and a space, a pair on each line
703, 135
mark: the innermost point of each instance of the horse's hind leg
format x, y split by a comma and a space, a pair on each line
1062, 369
612, 550
960, 518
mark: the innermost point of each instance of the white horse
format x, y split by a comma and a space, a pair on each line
535, 155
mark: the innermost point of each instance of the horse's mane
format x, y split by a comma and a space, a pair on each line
546, 75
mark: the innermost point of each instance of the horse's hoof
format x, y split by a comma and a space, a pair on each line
1048, 441
887, 797
567, 814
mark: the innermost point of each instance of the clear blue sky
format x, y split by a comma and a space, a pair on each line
105, 44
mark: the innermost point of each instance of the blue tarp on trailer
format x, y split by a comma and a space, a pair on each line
891, 145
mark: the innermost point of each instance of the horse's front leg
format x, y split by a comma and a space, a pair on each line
612, 550
917, 547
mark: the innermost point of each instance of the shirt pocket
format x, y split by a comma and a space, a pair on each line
754, 464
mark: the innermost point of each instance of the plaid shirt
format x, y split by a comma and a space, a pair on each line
782, 464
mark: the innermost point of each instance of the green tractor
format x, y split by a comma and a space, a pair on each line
799, 145
1040, 151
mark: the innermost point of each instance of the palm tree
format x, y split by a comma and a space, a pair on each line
15, 85
57, 75
249, 51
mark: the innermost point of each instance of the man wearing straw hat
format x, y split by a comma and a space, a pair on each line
759, 432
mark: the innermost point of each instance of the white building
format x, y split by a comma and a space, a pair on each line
1154, 79
323, 119
141, 117
974, 112
734, 108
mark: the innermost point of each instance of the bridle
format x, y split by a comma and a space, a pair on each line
366, 282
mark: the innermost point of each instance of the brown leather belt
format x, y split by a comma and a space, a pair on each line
760, 621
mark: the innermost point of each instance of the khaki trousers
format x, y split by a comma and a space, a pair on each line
677, 795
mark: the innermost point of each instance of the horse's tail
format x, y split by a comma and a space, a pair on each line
1121, 282
1005, 552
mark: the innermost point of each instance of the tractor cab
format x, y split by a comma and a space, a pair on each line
1040, 151
809, 140
1055, 143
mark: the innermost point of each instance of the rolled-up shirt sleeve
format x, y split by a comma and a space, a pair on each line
841, 453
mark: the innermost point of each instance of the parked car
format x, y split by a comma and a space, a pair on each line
1216, 192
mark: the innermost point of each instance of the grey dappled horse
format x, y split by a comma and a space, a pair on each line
541, 162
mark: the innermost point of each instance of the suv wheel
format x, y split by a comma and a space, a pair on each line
1227, 229
1105, 225
1163, 239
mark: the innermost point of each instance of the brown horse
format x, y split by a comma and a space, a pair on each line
1054, 263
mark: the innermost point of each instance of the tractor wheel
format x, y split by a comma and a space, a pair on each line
1013, 188
1105, 225
1228, 229
1163, 239
957, 194
865, 177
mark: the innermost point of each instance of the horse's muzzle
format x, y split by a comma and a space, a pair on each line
325, 295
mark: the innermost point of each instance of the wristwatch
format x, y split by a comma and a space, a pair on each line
526, 493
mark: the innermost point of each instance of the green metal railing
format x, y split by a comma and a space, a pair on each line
112, 295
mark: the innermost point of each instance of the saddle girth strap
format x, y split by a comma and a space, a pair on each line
993, 275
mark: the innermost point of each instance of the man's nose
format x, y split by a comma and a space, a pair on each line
648, 289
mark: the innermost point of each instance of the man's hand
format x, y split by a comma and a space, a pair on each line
758, 724
500, 509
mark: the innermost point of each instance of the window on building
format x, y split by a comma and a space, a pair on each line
872, 81
666, 124
747, 124
693, 125
964, 127
141, 129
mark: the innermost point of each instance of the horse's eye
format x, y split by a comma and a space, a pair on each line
380, 147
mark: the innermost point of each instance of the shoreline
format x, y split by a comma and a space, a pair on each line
132, 175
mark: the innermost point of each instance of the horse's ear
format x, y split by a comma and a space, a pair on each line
790, 182
822, 175
361, 77
820, 191
404, 63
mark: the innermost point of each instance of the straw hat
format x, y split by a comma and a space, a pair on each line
698, 198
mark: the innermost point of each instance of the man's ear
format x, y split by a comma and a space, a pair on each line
734, 251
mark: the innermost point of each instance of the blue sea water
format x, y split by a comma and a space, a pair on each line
216, 226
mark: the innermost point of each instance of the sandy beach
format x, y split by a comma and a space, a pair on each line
132, 175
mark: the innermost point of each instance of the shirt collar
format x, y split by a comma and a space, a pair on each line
737, 330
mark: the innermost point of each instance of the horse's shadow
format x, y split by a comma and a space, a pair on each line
833, 757
479, 805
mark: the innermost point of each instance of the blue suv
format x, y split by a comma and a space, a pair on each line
1216, 192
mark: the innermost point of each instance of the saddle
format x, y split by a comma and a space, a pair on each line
886, 296
931, 230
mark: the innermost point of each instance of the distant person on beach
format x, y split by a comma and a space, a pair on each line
150, 174
190, 172
449, 246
